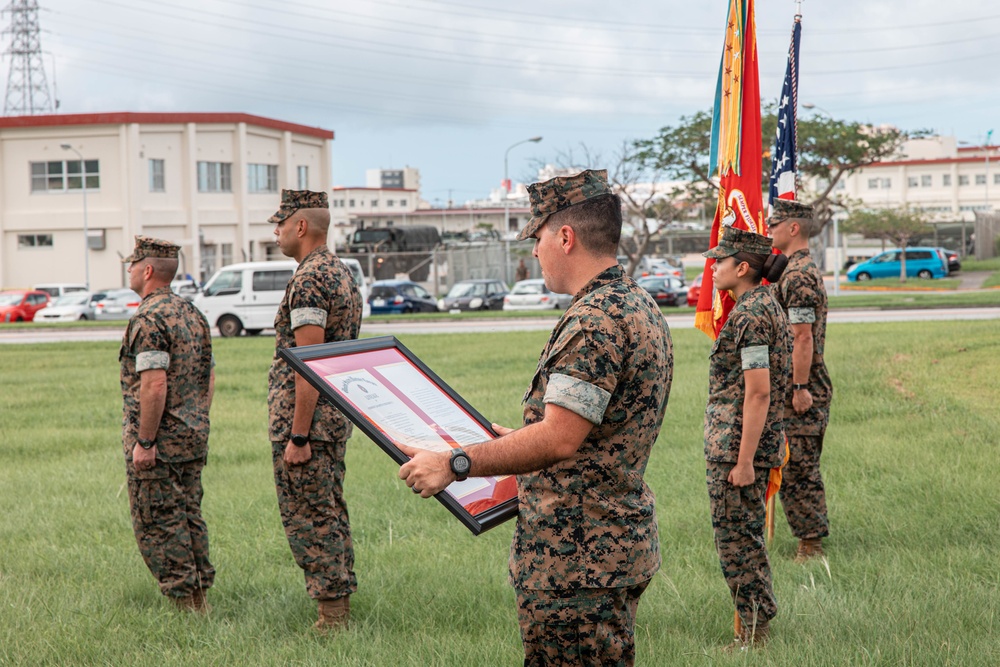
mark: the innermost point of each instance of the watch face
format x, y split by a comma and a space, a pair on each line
460, 464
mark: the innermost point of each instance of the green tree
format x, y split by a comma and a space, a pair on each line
828, 149
899, 226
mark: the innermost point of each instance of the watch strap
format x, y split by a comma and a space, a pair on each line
146, 444
796, 386
300, 440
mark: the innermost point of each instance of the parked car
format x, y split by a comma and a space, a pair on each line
534, 295
665, 290
20, 305
117, 304
354, 266
694, 291
954, 263
56, 290
920, 263
650, 267
478, 294
185, 288
400, 296
245, 296
68, 308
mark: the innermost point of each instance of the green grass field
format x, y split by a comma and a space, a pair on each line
910, 466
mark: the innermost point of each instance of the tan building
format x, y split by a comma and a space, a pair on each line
347, 203
206, 181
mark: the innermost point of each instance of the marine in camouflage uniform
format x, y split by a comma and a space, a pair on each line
802, 294
310, 494
755, 336
586, 543
167, 333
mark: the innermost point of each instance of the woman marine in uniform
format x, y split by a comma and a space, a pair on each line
744, 433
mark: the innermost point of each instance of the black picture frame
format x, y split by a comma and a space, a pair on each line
365, 356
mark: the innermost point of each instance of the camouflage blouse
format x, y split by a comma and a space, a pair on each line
322, 292
590, 521
756, 335
168, 332
801, 293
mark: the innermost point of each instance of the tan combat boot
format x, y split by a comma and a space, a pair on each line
194, 602
334, 614
808, 549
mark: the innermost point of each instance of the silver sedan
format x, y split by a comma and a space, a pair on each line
534, 295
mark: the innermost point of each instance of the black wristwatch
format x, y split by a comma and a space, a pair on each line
146, 444
300, 440
796, 386
460, 464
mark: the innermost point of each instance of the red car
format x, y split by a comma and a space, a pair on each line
695, 290
20, 305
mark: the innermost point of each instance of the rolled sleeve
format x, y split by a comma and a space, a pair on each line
801, 315
301, 317
145, 361
755, 356
583, 398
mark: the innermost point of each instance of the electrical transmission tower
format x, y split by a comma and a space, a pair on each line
27, 88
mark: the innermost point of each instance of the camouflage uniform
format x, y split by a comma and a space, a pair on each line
586, 543
310, 496
168, 332
801, 293
756, 335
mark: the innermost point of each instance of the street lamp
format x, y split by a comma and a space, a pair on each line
506, 182
811, 106
86, 230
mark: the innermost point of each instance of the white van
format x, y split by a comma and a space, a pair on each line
246, 296
359, 280
56, 290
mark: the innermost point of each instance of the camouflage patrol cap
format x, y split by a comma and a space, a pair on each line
147, 246
786, 209
739, 240
293, 200
560, 193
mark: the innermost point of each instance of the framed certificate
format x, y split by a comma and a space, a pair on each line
393, 397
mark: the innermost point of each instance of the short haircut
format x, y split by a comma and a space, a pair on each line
316, 217
164, 268
806, 226
597, 223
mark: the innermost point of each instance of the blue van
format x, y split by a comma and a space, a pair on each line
920, 263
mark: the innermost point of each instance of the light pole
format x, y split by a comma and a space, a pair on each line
506, 182
86, 230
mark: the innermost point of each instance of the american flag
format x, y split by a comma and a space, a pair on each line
783, 159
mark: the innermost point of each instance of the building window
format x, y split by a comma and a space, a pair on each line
886, 183
946, 179
873, 183
34, 241
156, 183
262, 178
60, 176
841, 185
352, 204
374, 203
912, 182
390, 202
215, 177
925, 181
303, 172
980, 179
996, 179
963, 180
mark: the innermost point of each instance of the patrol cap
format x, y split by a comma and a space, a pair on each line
785, 209
147, 246
560, 193
293, 200
739, 240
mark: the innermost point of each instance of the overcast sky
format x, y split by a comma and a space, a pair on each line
448, 85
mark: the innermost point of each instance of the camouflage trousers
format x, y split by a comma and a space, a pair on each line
313, 512
579, 627
802, 494
738, 522
165, 504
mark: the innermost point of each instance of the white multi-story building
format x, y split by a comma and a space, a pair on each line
206, 181
948, 181
390, 192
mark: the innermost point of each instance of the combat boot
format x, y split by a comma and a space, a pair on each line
812, 548
201, 601
754, 637
193, 602
334, 614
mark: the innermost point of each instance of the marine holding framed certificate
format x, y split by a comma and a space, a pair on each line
393, 397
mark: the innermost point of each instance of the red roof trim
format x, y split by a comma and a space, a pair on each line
341, 188
121, 117
946, 160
